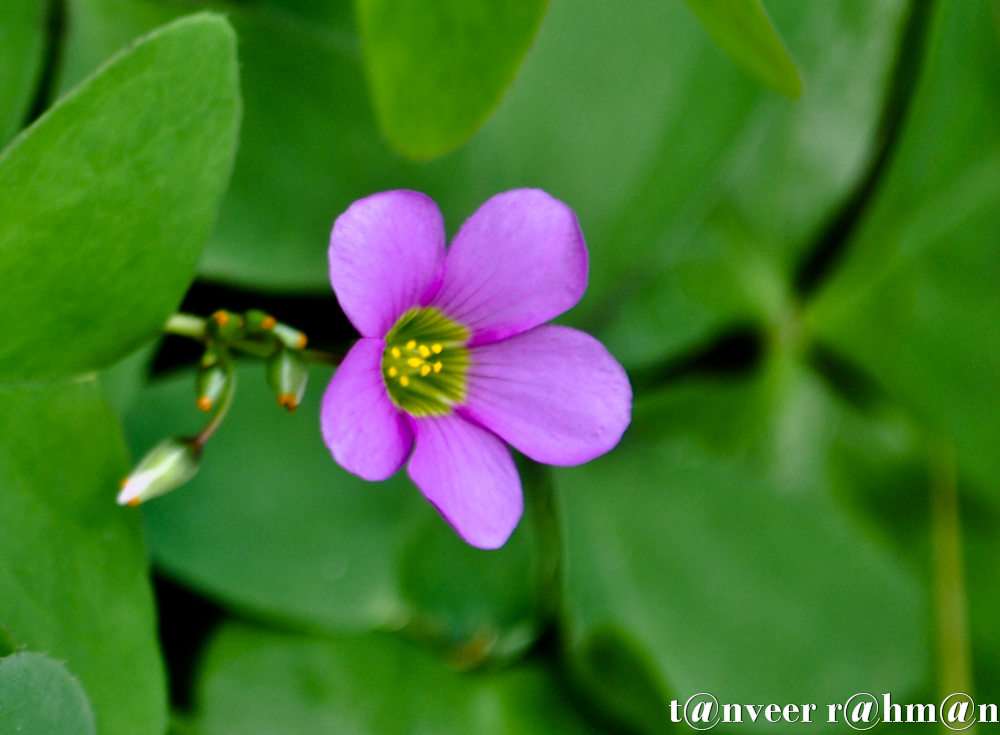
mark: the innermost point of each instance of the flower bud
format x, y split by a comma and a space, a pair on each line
293, 339
258, 321
287, 374
225, 326
165, 467
211, 384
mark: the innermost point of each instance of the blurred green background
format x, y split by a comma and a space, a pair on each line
793, 217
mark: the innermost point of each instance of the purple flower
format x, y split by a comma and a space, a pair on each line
455, 358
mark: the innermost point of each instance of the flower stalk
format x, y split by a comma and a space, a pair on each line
954, 657
196, 328
540, 494
254, 334
229, 392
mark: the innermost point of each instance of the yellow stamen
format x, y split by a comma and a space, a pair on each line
268, 323
134, 503
424, 363
205, 403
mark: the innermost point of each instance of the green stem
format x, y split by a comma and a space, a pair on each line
188, 325
218, 416
322, 358
256, 349
954, 658
539, 487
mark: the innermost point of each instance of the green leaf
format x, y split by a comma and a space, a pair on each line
73, 570
596, 117
436, 70
915, 303
335, 14
271, 524
90, 39
709, 553
309, 145
891, 488
22, 39
108, 198
6, 644
122, 381
742, 28
256, 681
39, 697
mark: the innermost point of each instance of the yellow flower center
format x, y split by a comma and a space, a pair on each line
424, 362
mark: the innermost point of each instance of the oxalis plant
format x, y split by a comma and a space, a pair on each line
747, 480
452, 362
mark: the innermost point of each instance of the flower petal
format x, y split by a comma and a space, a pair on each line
361, 426
386, 253
554, 393
469, 476
519, 261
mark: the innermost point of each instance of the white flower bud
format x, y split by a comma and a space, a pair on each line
165, 467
